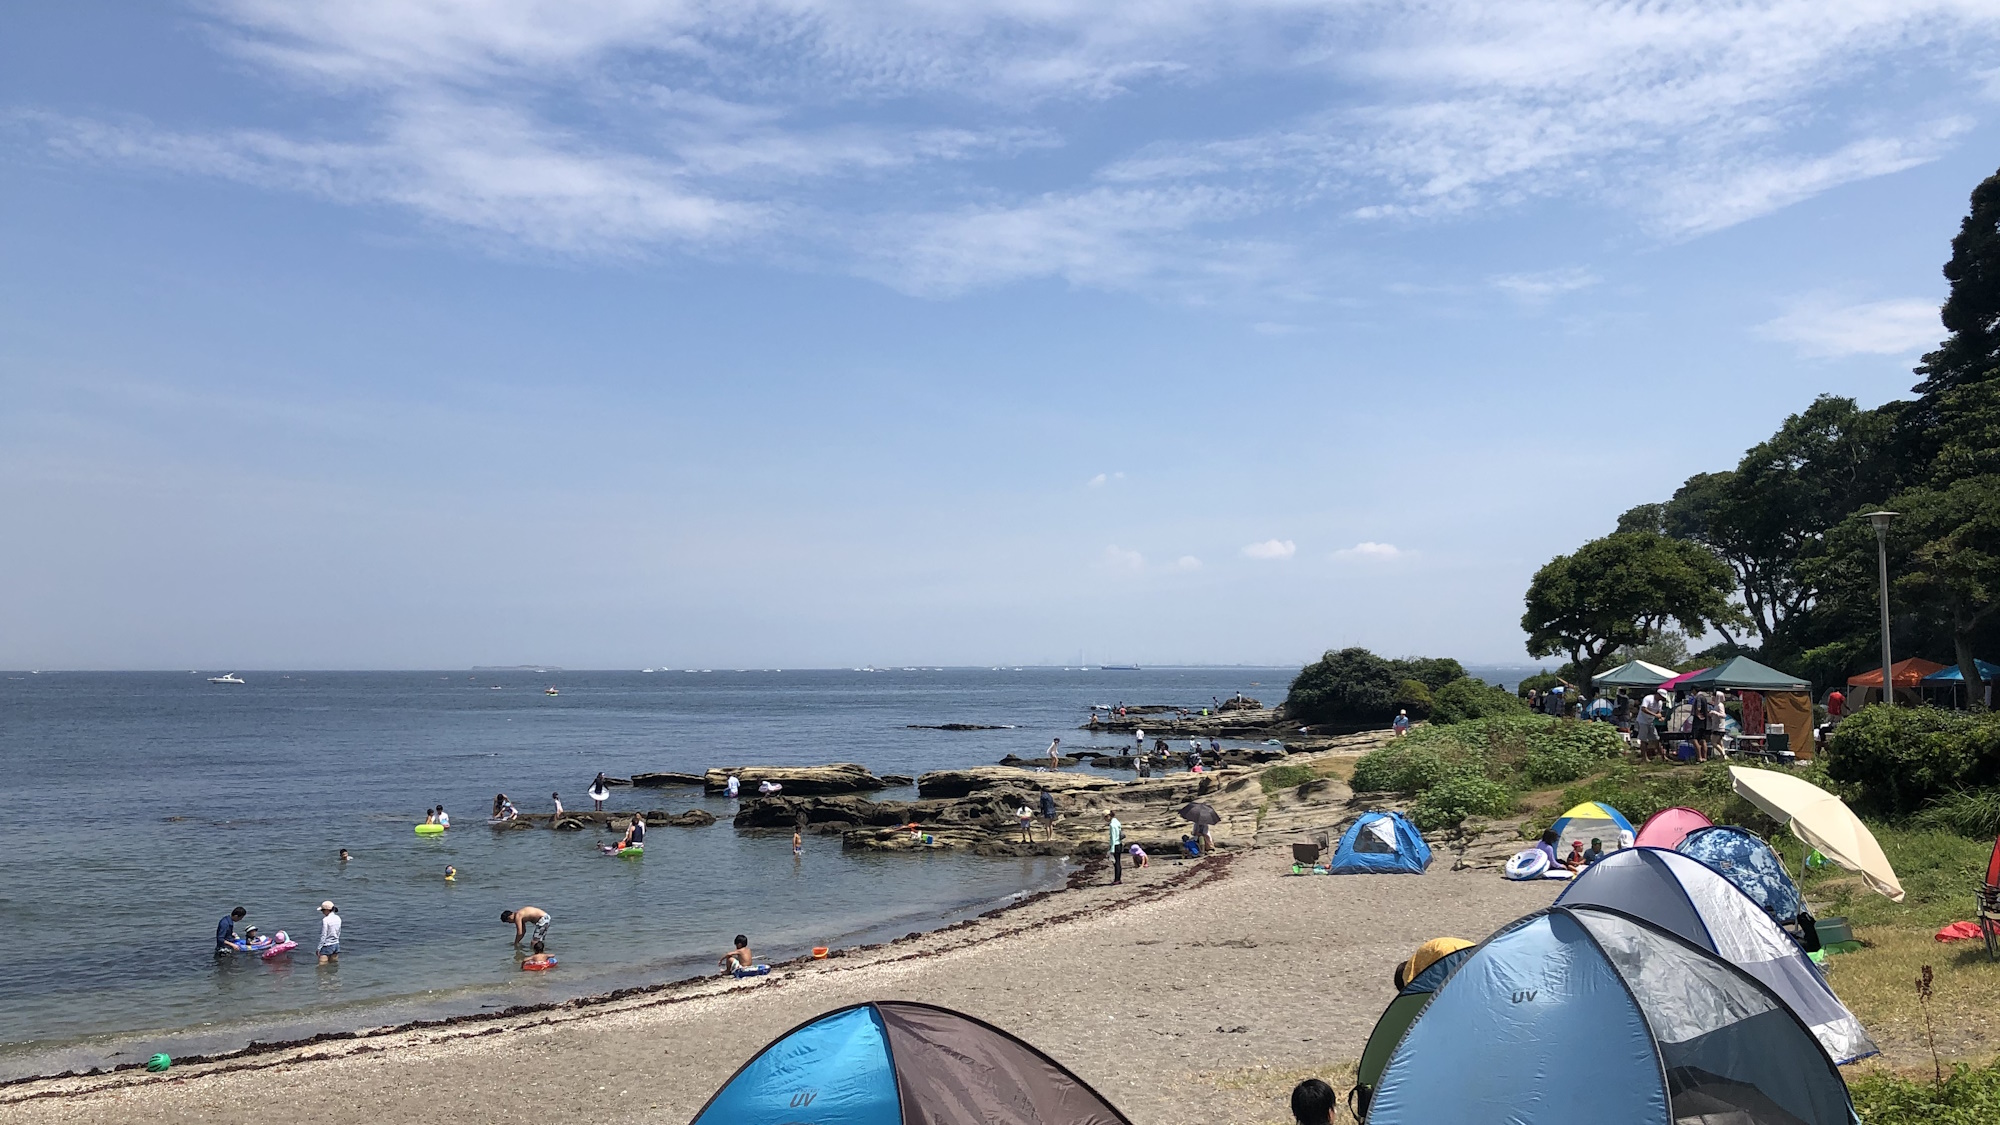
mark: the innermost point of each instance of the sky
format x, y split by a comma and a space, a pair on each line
621, 333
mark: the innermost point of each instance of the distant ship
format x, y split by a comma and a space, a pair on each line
1118, 668
231, 678
550, 690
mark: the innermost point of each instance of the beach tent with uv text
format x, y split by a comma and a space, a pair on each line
1417, 978
1687, 898
1668, 827
1593, 820
893, 1062
1740, 857
1381, 843
1579, 1014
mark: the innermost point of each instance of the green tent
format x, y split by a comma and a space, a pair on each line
1740, 673
1416, 979
1637, 673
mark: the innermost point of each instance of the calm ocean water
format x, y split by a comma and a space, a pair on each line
142, 806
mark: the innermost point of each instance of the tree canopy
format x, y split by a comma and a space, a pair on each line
1356, 686
1620, 590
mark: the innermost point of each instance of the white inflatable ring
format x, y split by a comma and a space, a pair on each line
1528, 865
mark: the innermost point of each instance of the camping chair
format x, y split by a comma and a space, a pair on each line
1307, 854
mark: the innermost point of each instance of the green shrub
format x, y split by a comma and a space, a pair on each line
1540, 681
1466, 698
1357, 687
1410, 765
1968, 1097
1289, 776
1565, 750
1968, 812
1414, 696
1449, 802
1900, 759
1641, 791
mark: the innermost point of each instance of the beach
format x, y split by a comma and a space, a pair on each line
1196, 991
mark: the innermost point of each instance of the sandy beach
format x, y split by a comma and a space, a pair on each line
1196, 991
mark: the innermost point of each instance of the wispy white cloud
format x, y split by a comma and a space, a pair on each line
1122, 559
1537, 287
1102, 479
1370, 550
1271, 549
1187, 562
871, 137
1821, 327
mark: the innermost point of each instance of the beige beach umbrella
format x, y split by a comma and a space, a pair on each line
1821, 820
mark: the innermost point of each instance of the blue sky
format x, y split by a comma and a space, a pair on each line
425, 333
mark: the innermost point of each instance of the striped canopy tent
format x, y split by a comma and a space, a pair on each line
1636, 674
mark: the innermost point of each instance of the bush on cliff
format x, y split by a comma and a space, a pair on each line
1902, 759
1473, 767
1447, 804
1355, 686
1467, 698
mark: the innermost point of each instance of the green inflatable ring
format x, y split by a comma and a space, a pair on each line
430, 829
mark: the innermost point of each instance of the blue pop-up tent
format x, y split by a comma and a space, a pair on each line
1748, 862
1580, 1014
894, 1062
1381, 843
1691, 900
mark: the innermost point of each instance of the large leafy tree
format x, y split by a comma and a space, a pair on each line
1954, 426
1356, 686
1948, 544
1768, 517
1622, 590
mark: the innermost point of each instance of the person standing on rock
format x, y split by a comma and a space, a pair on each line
1055, 753
599, 791
557, 798
734, 787
1027, 818
1117, 832
1139, 741
1049, 812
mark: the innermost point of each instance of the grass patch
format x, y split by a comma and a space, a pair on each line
1969, 1096
1291, 775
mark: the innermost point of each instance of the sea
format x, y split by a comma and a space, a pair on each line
142, 806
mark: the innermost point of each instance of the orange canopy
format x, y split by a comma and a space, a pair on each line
1907, 673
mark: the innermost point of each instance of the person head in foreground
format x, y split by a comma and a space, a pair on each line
1313, 1102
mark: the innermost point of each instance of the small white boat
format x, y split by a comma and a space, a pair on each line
550, 691
231, 678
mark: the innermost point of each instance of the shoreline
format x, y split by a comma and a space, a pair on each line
1196, 991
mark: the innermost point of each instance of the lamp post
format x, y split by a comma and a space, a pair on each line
1880, 521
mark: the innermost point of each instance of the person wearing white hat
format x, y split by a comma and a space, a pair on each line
329, 932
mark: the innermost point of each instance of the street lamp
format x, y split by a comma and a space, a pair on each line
1880, 521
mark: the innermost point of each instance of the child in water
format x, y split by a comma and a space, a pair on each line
798, 844
450, 873
539, 958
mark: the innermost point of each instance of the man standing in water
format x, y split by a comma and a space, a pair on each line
225, 930
527, 916
329, 932
1117, 853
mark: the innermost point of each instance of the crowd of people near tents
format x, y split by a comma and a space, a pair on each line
1674, 980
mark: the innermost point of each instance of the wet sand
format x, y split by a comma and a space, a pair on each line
1195, 992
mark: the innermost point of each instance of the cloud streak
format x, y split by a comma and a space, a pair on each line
1271, 549
882, 140
1826, 328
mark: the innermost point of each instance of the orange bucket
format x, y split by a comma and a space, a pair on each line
819, 952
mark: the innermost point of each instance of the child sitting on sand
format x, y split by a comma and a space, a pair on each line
539, 958
738, 958
1139, 856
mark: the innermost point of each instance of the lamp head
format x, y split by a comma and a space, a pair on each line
1880, 520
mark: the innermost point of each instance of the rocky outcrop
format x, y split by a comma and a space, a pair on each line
798, 781
953, 726
1240, 702
693, 818
666, 779
1029, 763
1240, 723
951, 784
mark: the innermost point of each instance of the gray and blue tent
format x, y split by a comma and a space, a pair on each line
1380, 843
1686, 897
1581, 1014
1740, 857
894, 1062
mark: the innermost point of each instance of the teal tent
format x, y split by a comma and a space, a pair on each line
1955, 675
1740, 673
1635, 674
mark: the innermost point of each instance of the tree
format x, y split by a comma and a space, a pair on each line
1356, 686
1954, 426
1621, 590
1948, 541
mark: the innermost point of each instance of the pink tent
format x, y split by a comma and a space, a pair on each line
1666, 828
1675, 683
